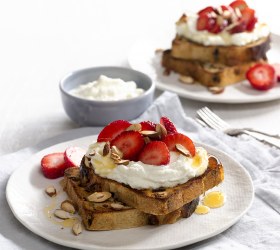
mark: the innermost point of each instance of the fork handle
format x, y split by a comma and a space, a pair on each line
263, 133
272, 141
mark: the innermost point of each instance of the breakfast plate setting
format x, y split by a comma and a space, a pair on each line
144, 57
30, 209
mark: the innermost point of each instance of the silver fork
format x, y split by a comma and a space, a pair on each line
210, 119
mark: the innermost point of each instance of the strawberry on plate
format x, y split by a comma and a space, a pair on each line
148, 125
112, 130
172, 139
169, 125
261, 76
240, 4
73, 156
129, 143
155, 153
53, 165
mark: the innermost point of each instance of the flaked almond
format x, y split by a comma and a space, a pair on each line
61, 214
150, 133
186, 79
216, 90
92, 153
182, 150
117, 206
226, 14
106, 149
99, 196
51, 191
115, 150
220, 20
77, 228
68, 206
161, 130
238, 12
122, 162
115, 157
134, 127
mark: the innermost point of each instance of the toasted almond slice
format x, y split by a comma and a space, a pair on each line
99, 196
186, 79
182, 150
92, 153
150, 133
106, 149
161, 130
122, 162
115, 157
51, 191
68, 206
77, 228
134, 127
61, 214
115, 150
117, 206
216, 90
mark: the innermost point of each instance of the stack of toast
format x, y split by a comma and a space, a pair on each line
123, 207
213, 65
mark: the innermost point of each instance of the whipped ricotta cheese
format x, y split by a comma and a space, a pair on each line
107, 89
143, 176
188, 30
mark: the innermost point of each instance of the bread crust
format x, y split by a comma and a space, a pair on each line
183, 48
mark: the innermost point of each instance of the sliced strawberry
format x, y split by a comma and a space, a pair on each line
53, 165
205, 11
204, 22
73, 156
261, 76
112, 130
248, 17
155, 153
239, 4
169, 126
276, 67
218, 26
130, 143
148, 125
173, 139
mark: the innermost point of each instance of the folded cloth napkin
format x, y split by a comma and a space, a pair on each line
259, 228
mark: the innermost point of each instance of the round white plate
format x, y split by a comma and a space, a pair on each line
27, 200
142, 57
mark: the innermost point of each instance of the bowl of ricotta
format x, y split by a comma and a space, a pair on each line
97, 96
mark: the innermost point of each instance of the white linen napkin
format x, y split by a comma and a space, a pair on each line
259, 228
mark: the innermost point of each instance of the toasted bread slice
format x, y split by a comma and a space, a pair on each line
228, 55
112, 214
160, 202
206, 73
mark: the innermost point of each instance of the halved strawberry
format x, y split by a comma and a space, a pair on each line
276, 67
240, 4
155, 153
53, 165
130, 143
169, 126
148, 125
112, 130
261, 76
205, 11
248, 17
73, 156
173, 139
204, 22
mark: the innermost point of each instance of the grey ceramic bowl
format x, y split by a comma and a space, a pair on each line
99, 113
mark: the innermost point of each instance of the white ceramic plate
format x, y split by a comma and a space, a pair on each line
142, 57
27, 200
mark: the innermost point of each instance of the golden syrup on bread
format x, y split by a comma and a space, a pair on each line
196, 161
202, 209
214, 199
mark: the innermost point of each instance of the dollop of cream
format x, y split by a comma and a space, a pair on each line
143, 176
188, 30
107, 89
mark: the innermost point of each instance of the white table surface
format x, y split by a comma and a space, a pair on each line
41, 41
